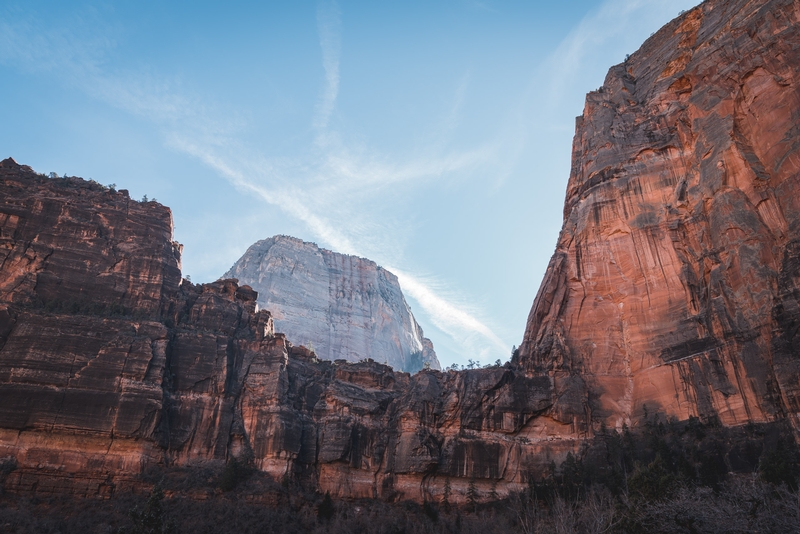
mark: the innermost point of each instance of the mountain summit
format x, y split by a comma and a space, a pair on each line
342, 307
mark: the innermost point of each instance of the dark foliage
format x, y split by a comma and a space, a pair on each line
654, 481
663, 478
431, 511
325, 510
235, 472
781, 464
150, 519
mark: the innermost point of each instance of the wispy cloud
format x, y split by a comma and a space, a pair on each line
453, 319
615, 21
329, 24
480, 6
557, 85
285, 200
457, 320
85, 63
331, 188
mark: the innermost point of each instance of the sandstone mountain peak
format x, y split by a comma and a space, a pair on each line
343, 306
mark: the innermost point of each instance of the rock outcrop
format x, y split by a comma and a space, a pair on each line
59, 250
675, 284
342, 306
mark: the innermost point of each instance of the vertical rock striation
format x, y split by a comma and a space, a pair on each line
146, 370
675, 282
343, 306
59, 250
86, 277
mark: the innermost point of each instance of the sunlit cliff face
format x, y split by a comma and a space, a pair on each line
674, 282
342, 306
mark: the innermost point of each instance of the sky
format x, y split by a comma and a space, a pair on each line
431, 137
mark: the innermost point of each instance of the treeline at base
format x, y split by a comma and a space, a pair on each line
666, 477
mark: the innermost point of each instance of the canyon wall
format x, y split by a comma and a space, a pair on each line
111, 365
675, 282
673, 289
342, 306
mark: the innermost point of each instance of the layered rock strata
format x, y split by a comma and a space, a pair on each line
674, 289
676, 279
97, 389
342, 306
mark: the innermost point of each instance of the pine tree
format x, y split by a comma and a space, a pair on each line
446, 495
151, 519
326, 510
472, 493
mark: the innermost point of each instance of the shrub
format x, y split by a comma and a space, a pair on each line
234, 473
151, 519
472, 493
781, 464
326, 510
653, 482
430, 511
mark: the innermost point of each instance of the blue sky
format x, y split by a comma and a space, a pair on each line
431, 137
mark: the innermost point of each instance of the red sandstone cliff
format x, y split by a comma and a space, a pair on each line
676, 278
109, 365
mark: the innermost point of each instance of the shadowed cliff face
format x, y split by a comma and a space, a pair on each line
343, 306
674, 285
110, 365
60, 251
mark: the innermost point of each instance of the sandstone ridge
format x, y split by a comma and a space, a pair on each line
343, 306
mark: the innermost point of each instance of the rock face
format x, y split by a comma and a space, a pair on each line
145, 370
675, 287
676, 279
60, 251
344, 307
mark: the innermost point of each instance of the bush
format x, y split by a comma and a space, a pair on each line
234, 473
326, 510
781, 464
653, 482
430, 511
151, 519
